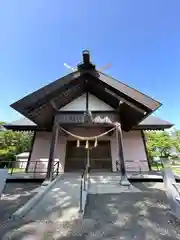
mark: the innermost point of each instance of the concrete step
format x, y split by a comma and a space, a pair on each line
105, 177
101, 183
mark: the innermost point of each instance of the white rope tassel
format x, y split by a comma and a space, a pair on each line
87, 144
95, 143
78, 143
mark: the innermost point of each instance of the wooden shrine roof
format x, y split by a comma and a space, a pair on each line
37, 106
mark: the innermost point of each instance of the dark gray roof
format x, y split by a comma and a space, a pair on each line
151, 122
22, 122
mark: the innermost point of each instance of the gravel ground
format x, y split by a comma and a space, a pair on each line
143, 215
126, 216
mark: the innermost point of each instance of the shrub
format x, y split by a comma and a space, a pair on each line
6, 156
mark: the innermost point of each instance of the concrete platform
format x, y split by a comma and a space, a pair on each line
145, 176
24, 175
148, 176
130, 175
108, 183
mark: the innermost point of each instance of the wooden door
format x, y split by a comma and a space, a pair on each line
100, 156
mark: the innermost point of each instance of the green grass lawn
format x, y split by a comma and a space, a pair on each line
16, 170
175, 168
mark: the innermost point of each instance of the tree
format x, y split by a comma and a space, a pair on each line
12, 143
159, 144
176, 141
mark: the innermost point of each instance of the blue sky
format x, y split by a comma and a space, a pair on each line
141, 39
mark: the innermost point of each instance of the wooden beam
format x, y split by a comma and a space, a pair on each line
124, 180
123, 100
120, 150
66, 91
54, 139
53, 105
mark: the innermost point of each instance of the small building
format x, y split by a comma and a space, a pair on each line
88, 117
22, 160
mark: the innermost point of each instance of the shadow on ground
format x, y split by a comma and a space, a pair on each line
44, 220
14, 196
128, 215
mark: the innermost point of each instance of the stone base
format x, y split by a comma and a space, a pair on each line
124, 181
46, 182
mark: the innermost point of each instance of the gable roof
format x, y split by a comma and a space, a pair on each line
51, 88
38, 108
37, 105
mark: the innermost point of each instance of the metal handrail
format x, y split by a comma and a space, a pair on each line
56, 170
84, 178
12, 165
137, 162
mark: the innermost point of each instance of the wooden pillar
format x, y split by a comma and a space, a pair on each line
146, 151
88, 157
52, 151
30, 153
124, 181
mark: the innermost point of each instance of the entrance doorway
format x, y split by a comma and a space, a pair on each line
100, 156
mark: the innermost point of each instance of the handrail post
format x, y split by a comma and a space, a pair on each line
140, 171
57, 172
35, 168
12, 167
83, 187
84, 183
9, 163
53, 172
81, 196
